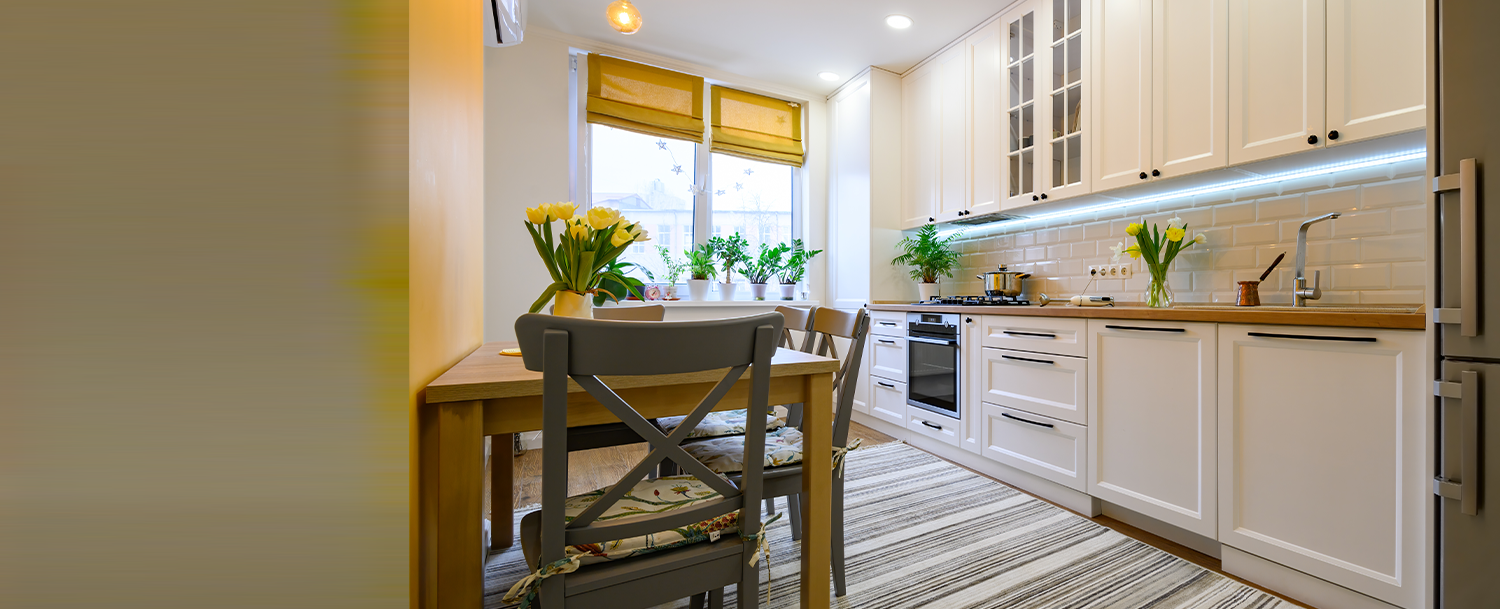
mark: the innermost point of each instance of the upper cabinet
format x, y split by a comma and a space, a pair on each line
920, 125
1303, 76
1160, 84
1046, 60
986, 115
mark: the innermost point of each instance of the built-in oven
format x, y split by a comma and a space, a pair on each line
933, 363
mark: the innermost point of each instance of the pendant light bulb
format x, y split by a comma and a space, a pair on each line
623, 17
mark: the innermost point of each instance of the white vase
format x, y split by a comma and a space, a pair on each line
927, 290
726, 291
788, 291
670, 290
698, 289
758, 291
572, 304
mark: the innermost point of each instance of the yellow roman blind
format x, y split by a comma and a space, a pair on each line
645, 99
757, 127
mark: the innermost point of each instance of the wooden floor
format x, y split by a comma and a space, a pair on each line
593, 469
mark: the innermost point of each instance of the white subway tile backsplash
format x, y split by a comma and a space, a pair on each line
1394, 248
1276, 208
1255, 234
1334, 199
1234, 258
1394, 193
1035, 253
1337, 251
1409, 219
1046, 235
1213, 280
1385, 297
1070, 234
1059, 251
1359, 224
1025, 239
1234, 213
1289, 230
1361, 277
1408, 275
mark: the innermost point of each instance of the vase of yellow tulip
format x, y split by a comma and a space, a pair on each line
581, 258
1158, 248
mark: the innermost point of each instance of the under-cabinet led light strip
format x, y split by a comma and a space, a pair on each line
1410, 155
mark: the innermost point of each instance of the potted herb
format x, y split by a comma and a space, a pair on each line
615, 281
673, 270
763, 267
930, 257
700, 268
731, 253
795, 267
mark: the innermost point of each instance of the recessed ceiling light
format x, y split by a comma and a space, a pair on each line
828, 76
899, 22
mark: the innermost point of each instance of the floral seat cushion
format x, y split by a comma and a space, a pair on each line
647, 498
727, 455
723, 423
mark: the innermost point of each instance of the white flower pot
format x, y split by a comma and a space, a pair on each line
698, 289
758, 291
788, 291
726, 291
671, 290
927, 290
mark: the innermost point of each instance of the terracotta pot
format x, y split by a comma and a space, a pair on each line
572, 304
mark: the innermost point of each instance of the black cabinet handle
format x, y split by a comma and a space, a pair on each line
1027, 359
1342, 339
1015, 418
968, 320
1044, 196
888, 342
886, 385
1037, 334
1034, 197
887, 323
1143, 175
930, 219
1333, 135
1155, 173
937, 427
1144, 329
1312, 139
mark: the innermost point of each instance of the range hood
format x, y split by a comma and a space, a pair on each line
988, 219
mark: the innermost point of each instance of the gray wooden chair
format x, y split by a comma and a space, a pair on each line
632, 313
786, 480
612, 434
568, 542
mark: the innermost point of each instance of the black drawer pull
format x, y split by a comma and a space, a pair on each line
933, 425
888, 323
1027, 359
1037, 334
1144, 329
1009, 416
886, 385
1342, 339
888, 342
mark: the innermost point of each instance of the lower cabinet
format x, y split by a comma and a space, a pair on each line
1053, 449
943, 429
1323, 454
1153, 421
888, 400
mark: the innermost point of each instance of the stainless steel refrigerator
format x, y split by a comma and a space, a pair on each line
1466, 127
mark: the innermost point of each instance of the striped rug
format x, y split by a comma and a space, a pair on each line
923, 532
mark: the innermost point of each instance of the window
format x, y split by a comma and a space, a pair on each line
754, 197
650, 180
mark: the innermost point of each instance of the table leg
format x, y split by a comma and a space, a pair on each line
817, 491
502, 490
452, 487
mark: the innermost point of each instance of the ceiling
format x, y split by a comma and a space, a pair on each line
787, 42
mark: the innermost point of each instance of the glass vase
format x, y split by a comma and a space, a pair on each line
1158, 292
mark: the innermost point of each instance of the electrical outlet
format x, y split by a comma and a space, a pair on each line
1126, 270
1095, 271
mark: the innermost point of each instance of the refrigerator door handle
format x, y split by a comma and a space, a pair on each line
1467, 313
1466, 489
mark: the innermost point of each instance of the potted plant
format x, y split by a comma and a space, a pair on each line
673, 270
760, 270
731, 253
700, 268
583, 256
795, 267
1158, 247
930, 257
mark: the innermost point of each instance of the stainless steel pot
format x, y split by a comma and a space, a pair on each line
1002, 282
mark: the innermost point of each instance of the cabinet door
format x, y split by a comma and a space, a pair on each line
1121, 93
1068, 63
969, 385
1153, 421
1049, 385
986, 114
888, 357
1189, 80
919, 139
1376, 79
1022, 112
953, 133
888, 401
1322, 454
1053, 449
1276, 83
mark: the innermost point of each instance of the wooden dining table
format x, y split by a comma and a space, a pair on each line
488, 394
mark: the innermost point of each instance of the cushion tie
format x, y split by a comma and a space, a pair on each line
531, 584
762, 546
838, 457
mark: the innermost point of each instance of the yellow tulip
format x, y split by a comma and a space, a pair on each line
621, 237
547, 209
1200, 239
1134, 251
1175, 234
564, 211
536, 215
1134, 229
603, 217
578, 230
639, 234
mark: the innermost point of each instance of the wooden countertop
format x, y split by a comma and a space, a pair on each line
1410, 317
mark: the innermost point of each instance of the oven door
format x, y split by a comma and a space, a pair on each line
932, 374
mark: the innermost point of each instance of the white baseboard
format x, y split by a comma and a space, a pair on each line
1295, 584
1208, 546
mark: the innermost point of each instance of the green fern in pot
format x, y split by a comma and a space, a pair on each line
929, 256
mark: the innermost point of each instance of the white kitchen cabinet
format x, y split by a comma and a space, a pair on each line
986, 120
864, 187
1047, 447
1051, 385
921, 125
938, 427
1160, 86
1051, 335
953, 135
1322, 454
888, 400
1276, 78
888, 357
1376, 68
1153, 420
973, 366
1046, 66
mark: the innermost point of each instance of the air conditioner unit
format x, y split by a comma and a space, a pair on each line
504, 22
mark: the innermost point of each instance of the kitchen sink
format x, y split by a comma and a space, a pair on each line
1312, 308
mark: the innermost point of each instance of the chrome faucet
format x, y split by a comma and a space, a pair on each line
1301, 293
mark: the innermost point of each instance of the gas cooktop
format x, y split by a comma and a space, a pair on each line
976, 301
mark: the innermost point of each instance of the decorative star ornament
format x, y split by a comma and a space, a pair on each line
781, 120
739, 186
719, 192
661, 144
677, 169
749, 171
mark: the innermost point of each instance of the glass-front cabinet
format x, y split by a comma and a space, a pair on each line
1044, 71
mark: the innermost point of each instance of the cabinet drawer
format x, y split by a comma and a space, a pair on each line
888, 357
888, 323
1050, 448
1049, 385
935, 426
1055, 335
888, 400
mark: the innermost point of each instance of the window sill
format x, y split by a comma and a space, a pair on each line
672, 304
